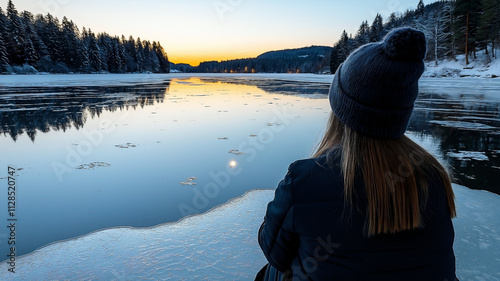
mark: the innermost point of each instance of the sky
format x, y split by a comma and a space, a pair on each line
192, 31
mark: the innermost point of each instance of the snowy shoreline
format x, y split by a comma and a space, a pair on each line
186, 250
483, 66
74, 80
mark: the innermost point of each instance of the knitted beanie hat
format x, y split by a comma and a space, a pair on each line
374, 90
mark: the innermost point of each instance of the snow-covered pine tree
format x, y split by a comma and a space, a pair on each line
121, 56
3, 25
420, 11
408, 18
73, 50
50, 30
81, 51
104, 42
344, 45
147, 63
4, 60
115, 56
163, 59
393, 21
140, 55
377, 29
155, 62
131, 54
85, 36
336, 59
85, 57
94, 53
15, 35
30, 54
112, 58
33, 46
363, 34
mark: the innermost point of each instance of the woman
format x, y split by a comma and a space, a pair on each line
371, 204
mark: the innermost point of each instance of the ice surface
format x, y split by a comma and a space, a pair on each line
219, 245
222, 245
477, 234
65, 80
481, 86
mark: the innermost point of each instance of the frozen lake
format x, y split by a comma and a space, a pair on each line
144, 150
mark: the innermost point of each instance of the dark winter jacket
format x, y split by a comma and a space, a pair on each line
308, 229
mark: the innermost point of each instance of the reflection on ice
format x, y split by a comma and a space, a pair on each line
152, 144
222, 245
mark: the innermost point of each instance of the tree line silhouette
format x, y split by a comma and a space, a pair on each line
30, 44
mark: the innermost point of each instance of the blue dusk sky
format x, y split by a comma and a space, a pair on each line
192, 31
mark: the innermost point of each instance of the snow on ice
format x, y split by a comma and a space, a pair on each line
222, 245
468, 155
483, 66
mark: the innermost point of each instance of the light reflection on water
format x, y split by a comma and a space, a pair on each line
99, 157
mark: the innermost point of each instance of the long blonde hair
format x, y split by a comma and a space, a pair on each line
394, 174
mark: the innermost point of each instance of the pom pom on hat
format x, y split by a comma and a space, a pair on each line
405, 44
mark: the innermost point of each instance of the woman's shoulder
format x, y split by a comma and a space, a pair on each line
326, 163
318, 176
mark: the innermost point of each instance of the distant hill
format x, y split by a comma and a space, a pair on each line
181, 67
306, 52
313, 59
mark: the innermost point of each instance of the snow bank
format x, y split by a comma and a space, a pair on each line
222, 245
483, 66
